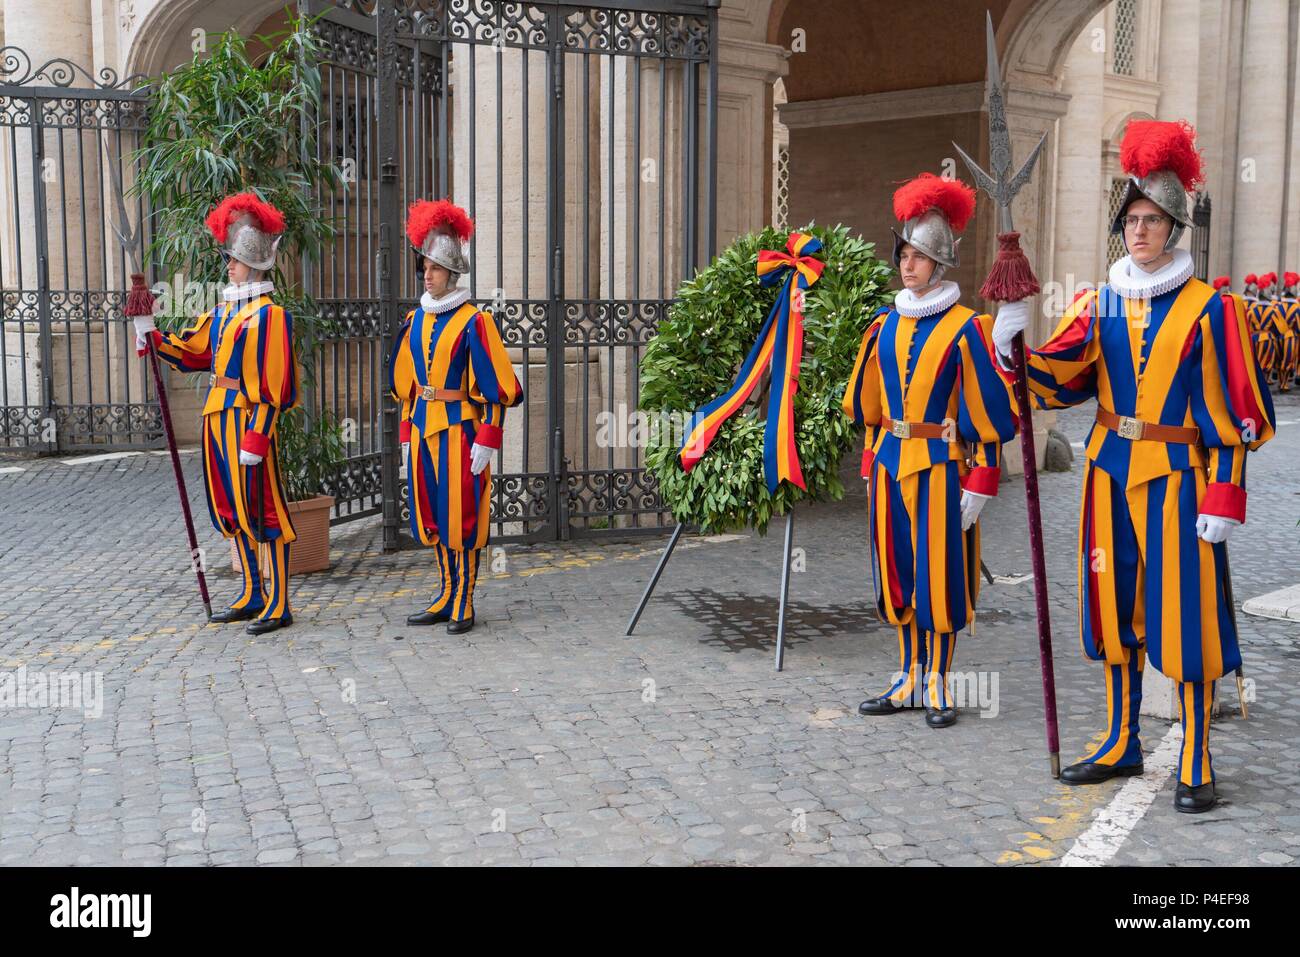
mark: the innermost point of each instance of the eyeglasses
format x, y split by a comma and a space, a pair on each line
1150, 221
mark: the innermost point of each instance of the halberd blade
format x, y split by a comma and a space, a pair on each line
121, 226
994, 69
982, 179
1026, 170
999, 138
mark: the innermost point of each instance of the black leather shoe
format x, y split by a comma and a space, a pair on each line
262, 625
428, 617
1194, 800
881, 705
461, 626
1090, 772
234, 614
940, 717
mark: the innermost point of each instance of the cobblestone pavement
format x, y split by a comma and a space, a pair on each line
545, 736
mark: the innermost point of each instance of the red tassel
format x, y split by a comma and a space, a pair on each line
1011, 278
139, 301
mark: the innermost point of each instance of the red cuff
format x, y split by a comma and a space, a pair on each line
983, 479
867, 458
488, 435
404, 431
156, 336
1225, 500
255, 442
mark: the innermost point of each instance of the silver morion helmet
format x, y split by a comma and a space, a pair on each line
1165, 189
446, 250
932, 234
250, 245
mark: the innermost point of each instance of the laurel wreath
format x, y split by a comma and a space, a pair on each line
694, 357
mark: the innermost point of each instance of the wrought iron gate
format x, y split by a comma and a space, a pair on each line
1201, 237
582, 139
69, 378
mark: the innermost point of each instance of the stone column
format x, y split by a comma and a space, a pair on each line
1082, 191
1220, 89
746, 73
45, 32
1261, 133
1179, 60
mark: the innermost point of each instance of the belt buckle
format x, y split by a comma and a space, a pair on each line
902, 430
428, 393
1129, 427
212, 380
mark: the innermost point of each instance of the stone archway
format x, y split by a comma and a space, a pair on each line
165, 35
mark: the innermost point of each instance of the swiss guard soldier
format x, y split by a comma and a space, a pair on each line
450, 372
1273, 323
1291, 335
246, 346
936, 412
1179, 403
1250, 299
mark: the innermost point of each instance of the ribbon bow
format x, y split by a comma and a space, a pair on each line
780, 343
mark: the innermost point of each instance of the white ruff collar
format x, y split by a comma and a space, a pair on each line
936, 302
456, 297
247, 290
1131, 282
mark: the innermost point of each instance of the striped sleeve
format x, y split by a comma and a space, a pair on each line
189, 350
986, 414
1062, 372
493, 384
1229, 402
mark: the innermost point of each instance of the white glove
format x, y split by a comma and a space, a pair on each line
144, 325
971, 505
1013, 317
479, 457
249, 458
1214, 528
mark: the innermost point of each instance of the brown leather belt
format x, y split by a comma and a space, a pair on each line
914, 430
222, 382
432, 393
1130, 428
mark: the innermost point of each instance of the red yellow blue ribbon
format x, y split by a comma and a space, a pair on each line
780, 345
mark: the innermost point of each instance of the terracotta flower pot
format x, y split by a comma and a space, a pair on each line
311, 550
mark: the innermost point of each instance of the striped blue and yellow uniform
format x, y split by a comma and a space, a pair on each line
1288, 326
458, 349
1149, 587
939, 370
248, 348
1261, 333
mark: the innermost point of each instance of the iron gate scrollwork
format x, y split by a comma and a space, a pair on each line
69, 378
582, 140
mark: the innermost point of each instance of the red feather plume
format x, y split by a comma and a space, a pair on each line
1291, 278
1222, 281
1251, 279
1151, 145
265, 216
441, 215
954, 199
